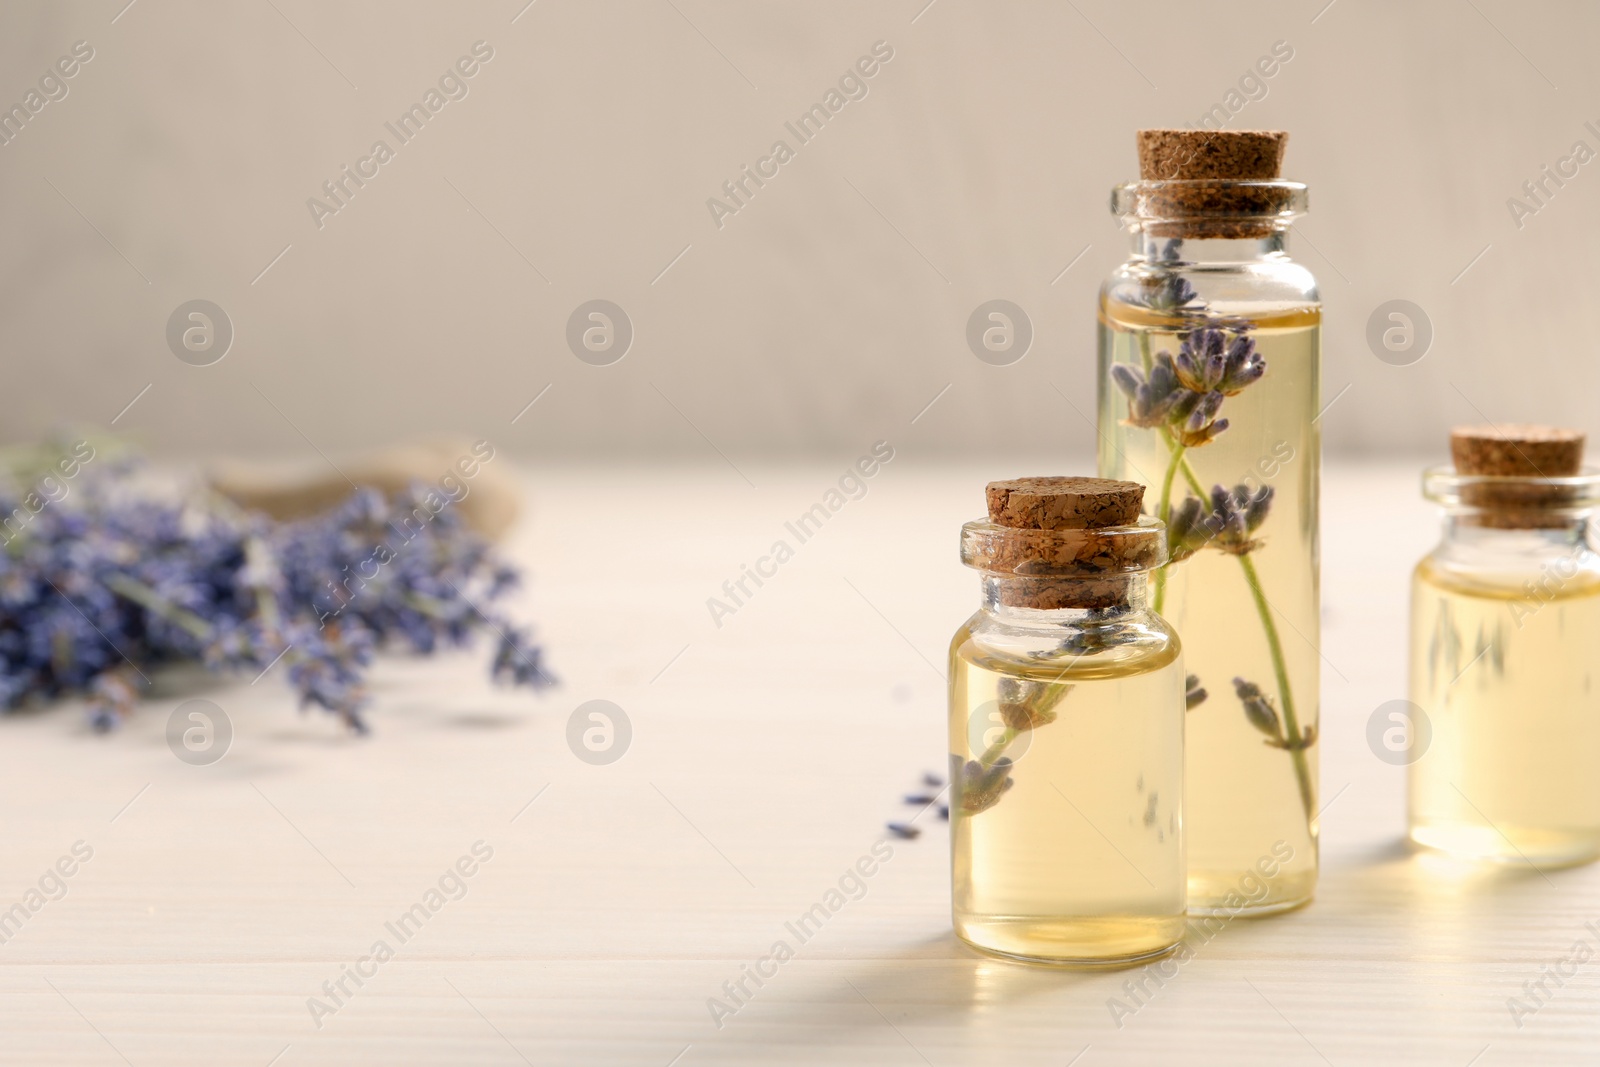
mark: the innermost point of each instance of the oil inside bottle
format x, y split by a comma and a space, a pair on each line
1246, 801
1081, 857
1510, 685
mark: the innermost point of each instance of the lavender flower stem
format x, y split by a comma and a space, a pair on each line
998, 749
1165, 511
427, 605
1291, 724
1293, 737
257, 554
1054, 693
152, 601
1190, 477
1166, 482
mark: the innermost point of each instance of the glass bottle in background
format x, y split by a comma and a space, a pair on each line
1505, 654
1210, 348
1067, 698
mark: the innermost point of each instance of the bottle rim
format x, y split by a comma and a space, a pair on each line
1010, 551
1488, 492
1190, 199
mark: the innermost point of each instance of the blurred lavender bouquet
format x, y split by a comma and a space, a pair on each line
101, 583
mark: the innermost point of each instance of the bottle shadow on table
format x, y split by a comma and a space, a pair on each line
1400, 857
1429, 905
935, 996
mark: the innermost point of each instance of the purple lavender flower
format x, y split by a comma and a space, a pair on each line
1263, 716
103, 587
1162, 400
1166, 291
1208, 361
1156, 399
1183, 394
1160, 287
979, 788
1229, 522
518, 660
1258, 708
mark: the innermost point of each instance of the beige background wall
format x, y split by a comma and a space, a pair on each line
831, 309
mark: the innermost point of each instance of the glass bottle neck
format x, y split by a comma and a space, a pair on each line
1472, 528
1010, 598
1185, 252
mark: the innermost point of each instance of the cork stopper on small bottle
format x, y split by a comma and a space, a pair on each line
1524, 455
1057, 559
1517, 451
1063, 503
1212, 205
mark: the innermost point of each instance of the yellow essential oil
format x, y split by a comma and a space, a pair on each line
1067, 699
1243, 795
1082, 859
1505, 673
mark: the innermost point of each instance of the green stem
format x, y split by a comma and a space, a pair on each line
1054, 693
150, 600
1294, 739
259, 557
1164, 512
996, 750
1166, 482
1291, 724
430, 606
1194, 482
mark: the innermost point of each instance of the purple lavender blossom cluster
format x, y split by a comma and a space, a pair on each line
1185, 394
98, 592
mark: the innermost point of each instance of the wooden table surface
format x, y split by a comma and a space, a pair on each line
766, 755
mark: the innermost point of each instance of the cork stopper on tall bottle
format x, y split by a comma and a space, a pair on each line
1211, 162
1230, 155
1526, 456
1067, 564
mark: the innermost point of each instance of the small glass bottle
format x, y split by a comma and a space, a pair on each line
1067, 698
1505, 654
1210, 342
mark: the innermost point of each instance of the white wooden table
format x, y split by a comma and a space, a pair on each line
766, 756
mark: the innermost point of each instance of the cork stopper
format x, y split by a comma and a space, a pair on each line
1063, 503
1517, 451
1057, 558
1211, 162
1231, 155
1526, 456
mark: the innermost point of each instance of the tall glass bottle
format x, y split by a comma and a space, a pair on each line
1209, 349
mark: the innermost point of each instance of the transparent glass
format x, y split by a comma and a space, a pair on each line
1066, 742
1505, 667
1209, 393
